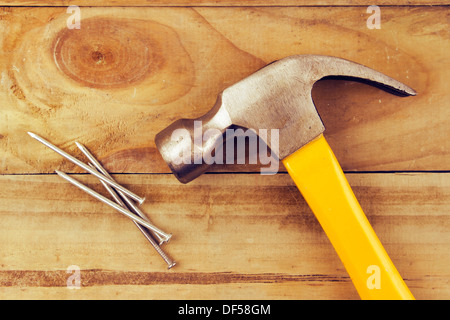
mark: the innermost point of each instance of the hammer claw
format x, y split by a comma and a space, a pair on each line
332, 67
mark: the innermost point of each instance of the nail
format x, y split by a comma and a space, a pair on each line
144, 231
105, 200
87, 168
158, 233
139, 221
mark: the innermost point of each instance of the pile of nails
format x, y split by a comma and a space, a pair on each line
124, 198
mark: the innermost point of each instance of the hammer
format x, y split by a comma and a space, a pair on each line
278, 96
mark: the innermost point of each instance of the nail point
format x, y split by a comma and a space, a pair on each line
79, 145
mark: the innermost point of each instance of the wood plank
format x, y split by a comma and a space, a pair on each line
130, 72
235, 236
214, 3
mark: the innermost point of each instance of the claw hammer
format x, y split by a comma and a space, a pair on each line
278, 96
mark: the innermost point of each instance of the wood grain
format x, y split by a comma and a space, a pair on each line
213, 3
235, 236
130, 72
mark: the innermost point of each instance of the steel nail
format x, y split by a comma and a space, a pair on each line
158, 233
105, 200
139, 221
155, 231
144, 231
87, 168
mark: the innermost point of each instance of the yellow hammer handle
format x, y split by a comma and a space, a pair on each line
319, 177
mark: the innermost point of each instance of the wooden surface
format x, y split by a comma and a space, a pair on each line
213, 3
235, 236
129, 72
91, 85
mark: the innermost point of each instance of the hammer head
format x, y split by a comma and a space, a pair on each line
277, 96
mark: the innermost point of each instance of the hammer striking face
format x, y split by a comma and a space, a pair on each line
279, 97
